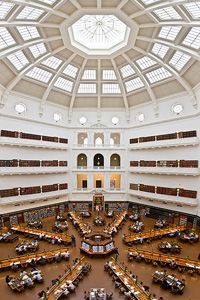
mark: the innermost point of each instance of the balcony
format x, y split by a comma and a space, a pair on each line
32, 170
165, 171
32, 197
18, 142
164, 198
192, 141
100, 168
94, 146
98, 190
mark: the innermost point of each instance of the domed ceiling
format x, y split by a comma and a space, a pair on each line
99, 53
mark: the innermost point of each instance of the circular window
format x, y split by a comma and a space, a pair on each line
115, 120
20, 108
83, 120
177, 108
140, 117
57, 117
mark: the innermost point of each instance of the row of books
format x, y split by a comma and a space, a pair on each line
33, 190
168, 136
32, 163
164, 190
30, 136
166, 163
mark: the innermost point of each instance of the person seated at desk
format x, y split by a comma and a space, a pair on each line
42, 295
36, 275
41, 260
70, 286
27, 281
134, 217
85, 268
65, 255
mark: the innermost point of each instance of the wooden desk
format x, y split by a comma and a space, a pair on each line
22, 260
153, 234
119, 219
158, 257
56, 291
66, 239
128, 281
83, 226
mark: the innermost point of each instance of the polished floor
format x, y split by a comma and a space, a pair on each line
97, 277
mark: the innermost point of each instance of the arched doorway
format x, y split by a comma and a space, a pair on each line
82, 161
98, 161
115, 161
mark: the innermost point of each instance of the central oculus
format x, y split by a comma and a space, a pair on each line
99, 34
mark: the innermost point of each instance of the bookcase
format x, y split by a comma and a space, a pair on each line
50, 163
10, 134
134, 186
29, 163
63, 186
9, 192
30, 190
189, 163
149, 163
9, 163
49, 188
167, 136
62, 163
147, 188
166, 191
30, 136
187, 193
134, 163
53, 139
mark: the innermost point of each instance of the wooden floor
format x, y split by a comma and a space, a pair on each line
97, 277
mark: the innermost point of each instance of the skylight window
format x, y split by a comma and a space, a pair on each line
133, 84
29, 13
28, 32
89, 75
160, 50
49, 2
109, 75
87, 88
71, 71
194, 9
99, 34
167, 13
5, 38
39, 74
5, 8
147, 2
64, 84
169, 32
179, 60
18, 60
193, 38
127, 71
111, 88
145, 62
158, 74
38, 49
52, 62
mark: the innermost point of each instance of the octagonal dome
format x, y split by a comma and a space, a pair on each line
99, 34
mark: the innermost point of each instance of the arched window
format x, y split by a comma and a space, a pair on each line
82, 161
112, 142
115, 161
98, 141
99, 161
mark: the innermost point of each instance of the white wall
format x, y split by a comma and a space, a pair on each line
164, 122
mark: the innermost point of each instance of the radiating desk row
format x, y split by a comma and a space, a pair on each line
140, 237
44, 235
125, 277
26, 260
163, 258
